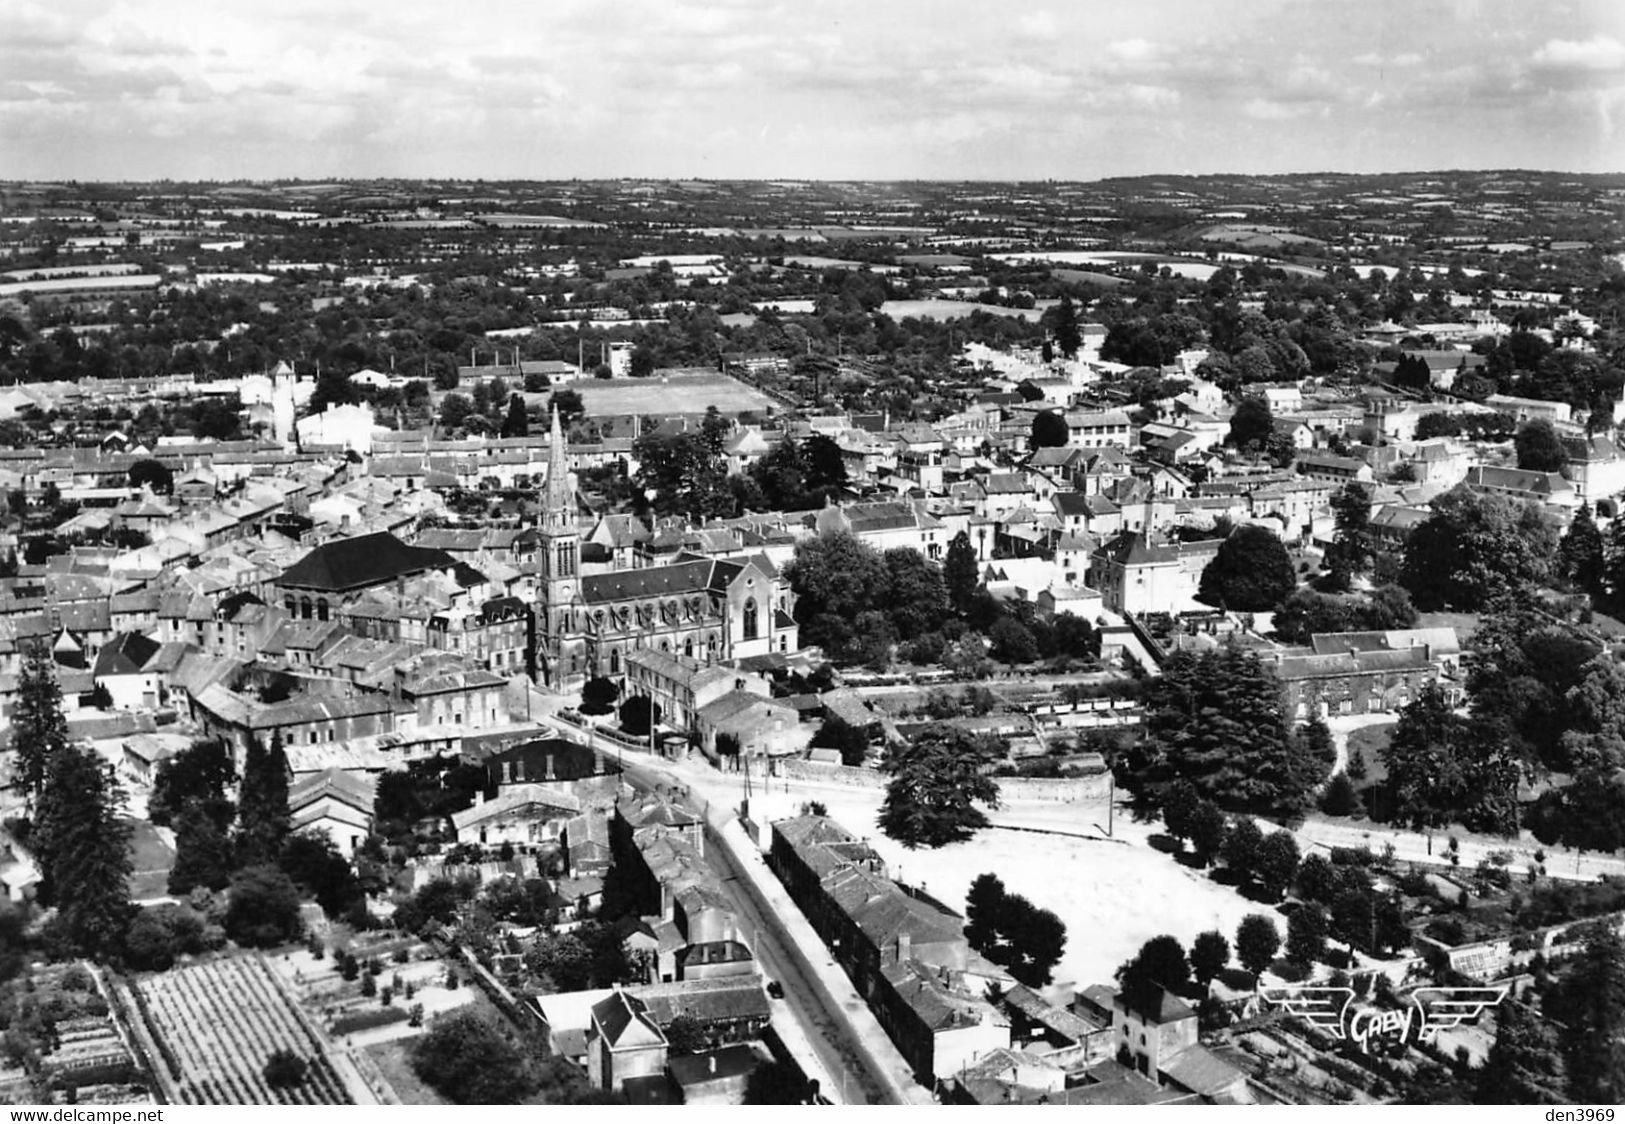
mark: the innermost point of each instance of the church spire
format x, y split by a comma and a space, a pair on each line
558, 505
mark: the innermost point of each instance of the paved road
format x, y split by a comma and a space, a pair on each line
849, 1080
818, 1037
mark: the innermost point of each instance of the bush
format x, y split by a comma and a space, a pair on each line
368, 1019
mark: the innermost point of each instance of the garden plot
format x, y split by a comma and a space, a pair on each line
215, 1026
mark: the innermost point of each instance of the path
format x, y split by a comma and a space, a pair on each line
1342, 725
1561, 862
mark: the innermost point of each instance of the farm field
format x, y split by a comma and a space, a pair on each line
952, 310
215, 1026
662, 397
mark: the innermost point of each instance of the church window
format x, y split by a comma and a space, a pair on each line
751, 621
688, 647
614, 661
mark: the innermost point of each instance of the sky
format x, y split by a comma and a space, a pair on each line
805, 89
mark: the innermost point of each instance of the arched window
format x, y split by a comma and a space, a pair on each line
304, 608
688, 647
751, 621
665, 645
291, 606
321, 609
614, 661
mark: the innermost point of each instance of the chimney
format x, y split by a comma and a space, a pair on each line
548, 775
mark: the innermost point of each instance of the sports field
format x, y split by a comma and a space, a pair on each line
1113, 894
665, 395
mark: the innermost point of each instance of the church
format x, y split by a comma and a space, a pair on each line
709, 609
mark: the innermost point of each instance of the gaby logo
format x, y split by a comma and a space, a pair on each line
1428, 1011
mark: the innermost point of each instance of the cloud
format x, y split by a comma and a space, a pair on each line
1600, 54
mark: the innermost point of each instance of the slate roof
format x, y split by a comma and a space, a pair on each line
659, 581
1131, 549
356, 791
367, 560
622, 1016
721, 999
125, 654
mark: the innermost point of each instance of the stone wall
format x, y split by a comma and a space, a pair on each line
1058, 790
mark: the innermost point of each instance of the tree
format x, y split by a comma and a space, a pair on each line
982, 907
262, 813
1412, 371
639, 714
155, 475
468, 1061
1208, 828
1216, 720
837, 578
918, 598
1589, 1003
202, 853
1210, 952
160, 933
1475, 547
316, 866
1340, 797
198, 775
1241, 848
1317, 879
1351, 551
81, 841
837, 733
937, 781
1252, 572
776, 1082
455, 409
1033, 938
686, 1035
284, 1069
1582, 556
262, 908
1251, 425
1257, 942
685, 473
1179, 807
961, 574
1159, 966
517, 422
1306, 932
1539, 448
1275, 863
1442, 767
1049, 430
598, 695
1013, 642
38, 729
568, 405
1068, 335
1525, 1065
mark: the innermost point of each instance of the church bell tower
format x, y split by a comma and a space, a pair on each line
559, 551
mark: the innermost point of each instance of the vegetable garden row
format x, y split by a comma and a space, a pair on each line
218, 1023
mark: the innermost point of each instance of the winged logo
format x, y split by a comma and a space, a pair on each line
1444, 1007
1323, 1007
